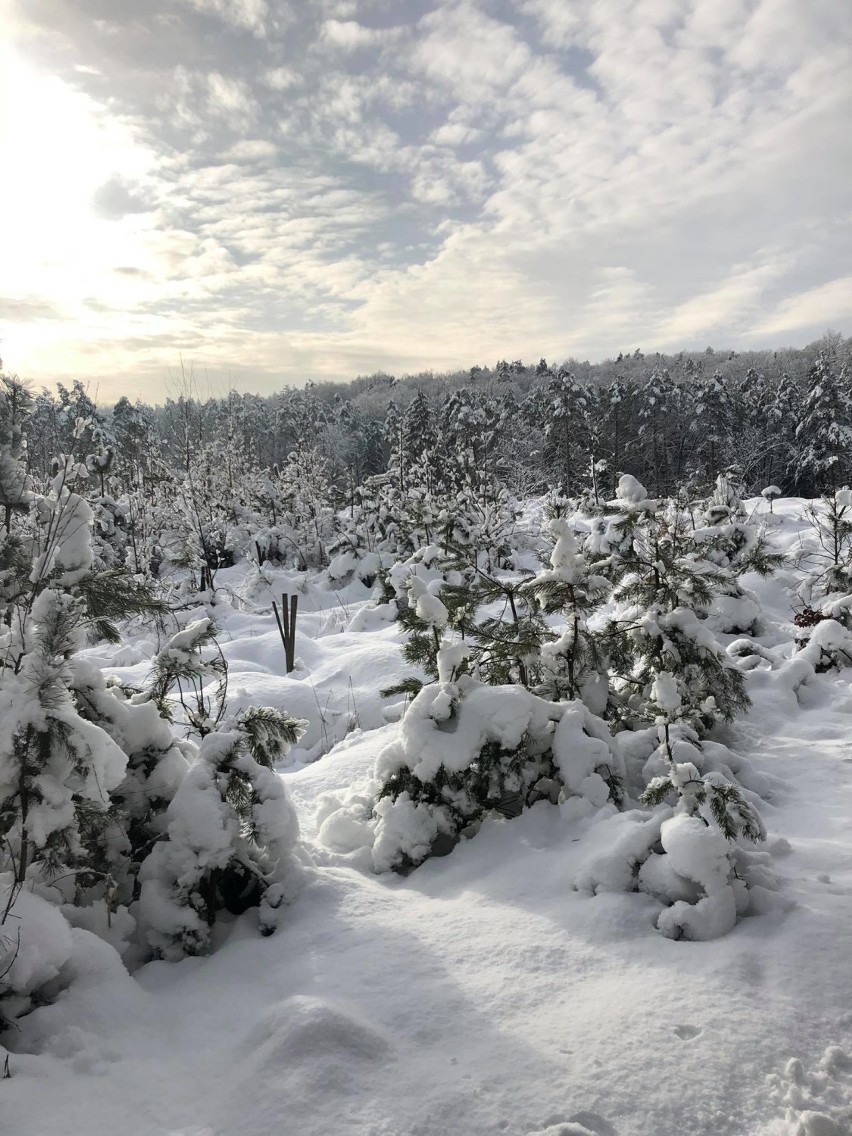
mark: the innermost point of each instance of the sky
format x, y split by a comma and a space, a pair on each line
269, 191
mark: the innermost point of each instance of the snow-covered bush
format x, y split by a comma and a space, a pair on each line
157, 762
35, 944
58, 765
57, 768
826, 554
231, 837
182, 673
466, 750
690, 854
826, 644
771, 494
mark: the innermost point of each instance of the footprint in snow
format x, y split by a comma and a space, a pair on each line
750, 968
686, 1032
816, 1101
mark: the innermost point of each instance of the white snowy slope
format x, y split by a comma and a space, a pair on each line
482, 994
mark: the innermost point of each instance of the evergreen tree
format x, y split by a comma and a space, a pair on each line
418, 431
662, 583
564, 448
466, 750
231, 838
824, 432
57, 767
575, 665
15, 484
710, 426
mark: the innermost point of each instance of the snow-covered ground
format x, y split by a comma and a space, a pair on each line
482, 994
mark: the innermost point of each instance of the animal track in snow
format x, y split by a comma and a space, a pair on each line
818, 1101
687, 1032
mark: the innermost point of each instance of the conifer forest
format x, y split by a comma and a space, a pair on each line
460, 753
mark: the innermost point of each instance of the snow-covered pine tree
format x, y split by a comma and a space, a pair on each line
826, 556
658, 423
392, 432
15, 483
660, 586
574, 665
157, 762
190, 670
418, 433
733, 544
619, 408
564, 447
507, 637
710, 795
231, 839
698, 866
467, 750
427, 608
57, 768
711, 425
824, 431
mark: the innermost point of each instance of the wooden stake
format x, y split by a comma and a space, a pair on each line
286, 621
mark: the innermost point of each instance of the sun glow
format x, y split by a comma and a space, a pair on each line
58, 148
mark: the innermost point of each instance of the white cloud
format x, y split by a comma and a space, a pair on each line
822, 306
336, 197
455, 134
470, 54
348, 34
731, 305
282, 78
249, 14
229, 98
251, 150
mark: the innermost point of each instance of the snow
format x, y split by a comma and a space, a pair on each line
35, 941
699, 853
665, 693
518, 985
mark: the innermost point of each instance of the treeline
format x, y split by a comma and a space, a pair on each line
781, 418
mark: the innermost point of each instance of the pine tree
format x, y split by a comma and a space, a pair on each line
824, 432
231, 840
710, 426
418, 431
57, 767
575, 664
827, 558
661, 582
467, 750
710, 796
564, 430
15, 484
618, 401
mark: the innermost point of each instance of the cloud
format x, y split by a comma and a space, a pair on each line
731, 304
467, 52
251, 15
229, 99
349, 35
340, 186
281, 79
251, 151
27, 309
115, 199
821, 306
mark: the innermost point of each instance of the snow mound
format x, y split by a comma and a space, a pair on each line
309, 1065
304, 1030
580, 1124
